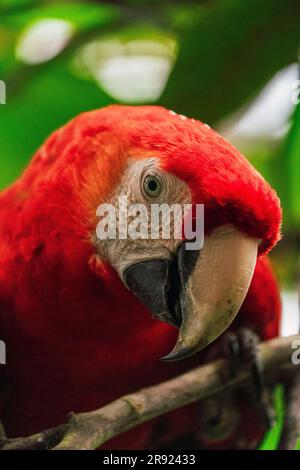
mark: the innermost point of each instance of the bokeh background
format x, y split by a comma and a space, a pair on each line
233, 64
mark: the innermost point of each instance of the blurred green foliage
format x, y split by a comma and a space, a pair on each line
289, 157
42, 97
227, 51
230, 53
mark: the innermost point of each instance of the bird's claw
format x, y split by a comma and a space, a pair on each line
241, 350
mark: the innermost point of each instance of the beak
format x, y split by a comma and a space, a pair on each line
153, 283
199, 291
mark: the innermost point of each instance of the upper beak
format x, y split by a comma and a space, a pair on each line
199, 291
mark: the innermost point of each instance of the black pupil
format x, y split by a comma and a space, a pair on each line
152, 185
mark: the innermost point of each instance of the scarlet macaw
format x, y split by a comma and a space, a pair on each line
74, 310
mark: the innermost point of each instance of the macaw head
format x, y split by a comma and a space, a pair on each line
149, 156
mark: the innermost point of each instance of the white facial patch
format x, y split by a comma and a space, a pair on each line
142, 227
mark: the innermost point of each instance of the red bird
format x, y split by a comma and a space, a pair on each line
74, 308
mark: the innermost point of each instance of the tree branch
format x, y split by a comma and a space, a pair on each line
87, 431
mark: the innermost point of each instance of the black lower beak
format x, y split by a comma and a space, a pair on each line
159, 283
200, 294
151, 282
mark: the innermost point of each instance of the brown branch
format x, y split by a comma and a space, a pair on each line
87, 431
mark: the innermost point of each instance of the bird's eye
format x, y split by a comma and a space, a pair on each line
152, 186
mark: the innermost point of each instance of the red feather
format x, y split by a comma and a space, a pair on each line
76, 337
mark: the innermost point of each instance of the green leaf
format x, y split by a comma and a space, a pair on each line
230, 54
271, 438
289, 164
